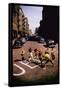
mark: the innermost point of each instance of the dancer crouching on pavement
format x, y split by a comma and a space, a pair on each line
30, 55
22, 55
40, 57
35, 53
47, 58
52, 54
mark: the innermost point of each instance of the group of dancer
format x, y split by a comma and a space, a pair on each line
38, 57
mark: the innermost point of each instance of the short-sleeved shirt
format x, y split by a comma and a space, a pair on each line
46, 56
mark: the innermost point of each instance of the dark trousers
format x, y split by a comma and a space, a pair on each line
49, 61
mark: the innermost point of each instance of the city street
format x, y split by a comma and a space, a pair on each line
25, 70
35, 39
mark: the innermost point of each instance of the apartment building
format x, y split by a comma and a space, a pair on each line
20, 23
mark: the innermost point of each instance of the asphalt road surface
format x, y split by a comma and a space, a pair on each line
25, 70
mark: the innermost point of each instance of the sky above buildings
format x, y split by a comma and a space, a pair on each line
34, 15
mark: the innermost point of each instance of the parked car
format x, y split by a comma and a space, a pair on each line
52, 46
32, 38
36, 38
17, 44
41, 40
50, 43
23, 39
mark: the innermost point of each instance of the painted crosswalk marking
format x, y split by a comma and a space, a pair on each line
27, 64
22, 68
22, 73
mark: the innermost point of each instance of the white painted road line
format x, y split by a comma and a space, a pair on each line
23, 71
25, 62
28, 65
